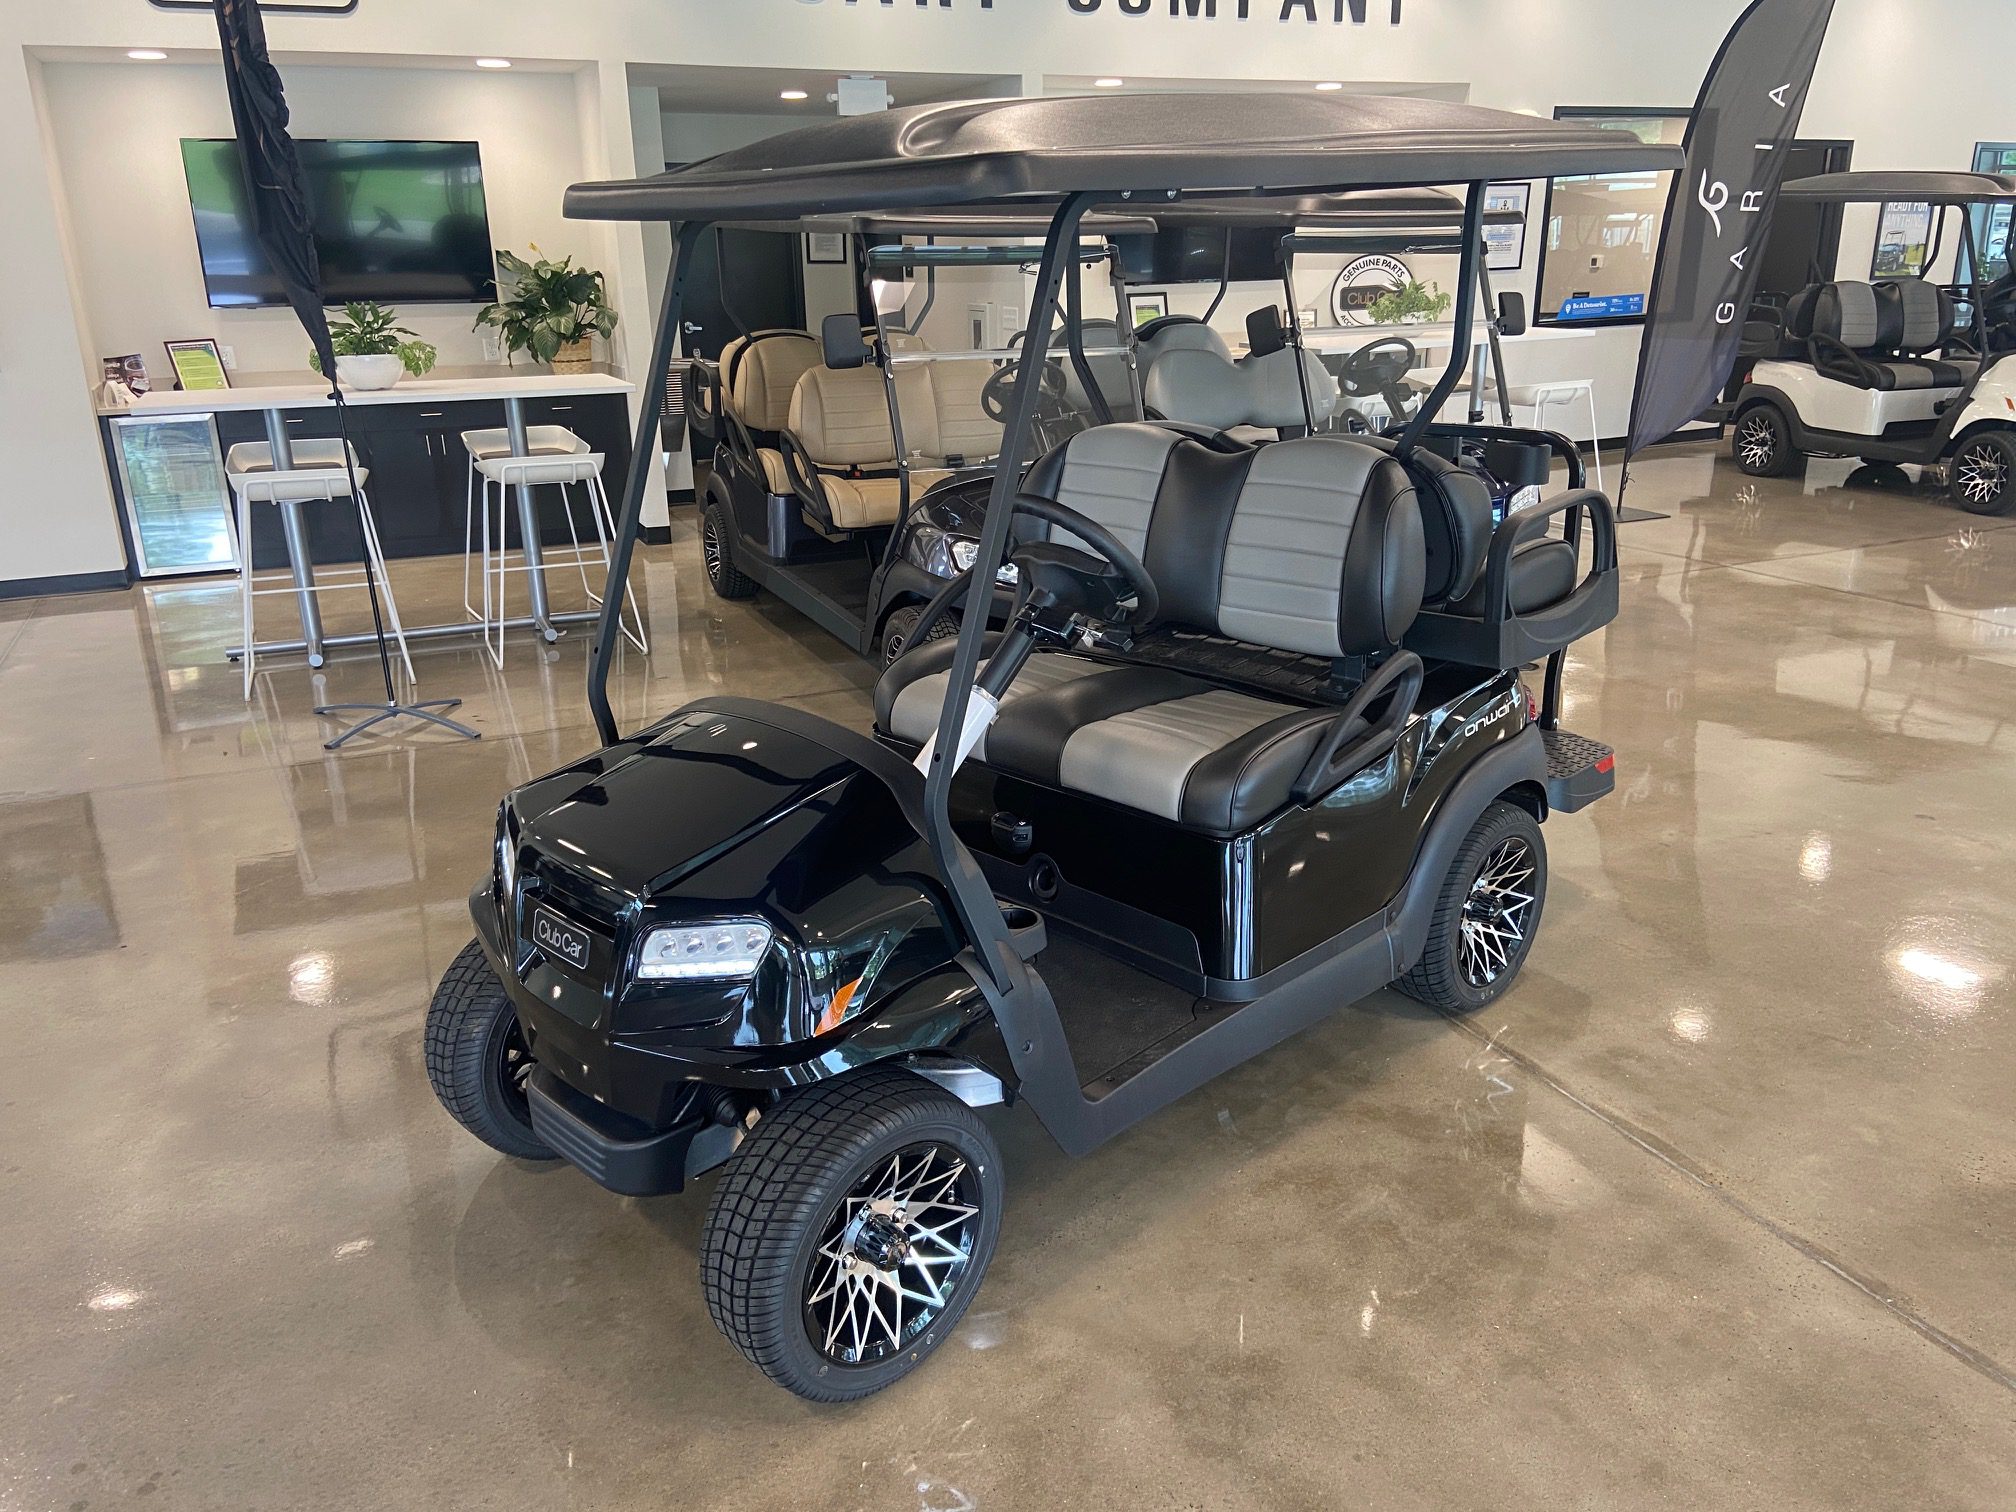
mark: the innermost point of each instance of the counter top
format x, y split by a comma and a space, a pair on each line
314, 393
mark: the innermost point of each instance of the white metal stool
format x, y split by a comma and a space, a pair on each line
318, 476
560, 458
1541, 397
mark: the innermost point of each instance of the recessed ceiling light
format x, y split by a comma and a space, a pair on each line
1329, 84
493, 62
146, 55
793, 94
1108, 83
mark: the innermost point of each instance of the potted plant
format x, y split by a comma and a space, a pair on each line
370, 351
1411, 304
555, 311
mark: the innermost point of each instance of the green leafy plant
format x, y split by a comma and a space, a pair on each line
1413, 300
371, 329
552, 305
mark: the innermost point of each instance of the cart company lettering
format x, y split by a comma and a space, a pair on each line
1338, 12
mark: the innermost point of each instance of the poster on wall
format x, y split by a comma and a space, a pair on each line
1902, 238
825, 247
1147, 305
1505, 245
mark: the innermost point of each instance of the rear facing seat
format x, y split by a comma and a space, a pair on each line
1310, 546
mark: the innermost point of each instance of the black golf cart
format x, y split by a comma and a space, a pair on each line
1253, 744
1887, 371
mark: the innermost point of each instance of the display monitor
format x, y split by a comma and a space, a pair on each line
1200, 254
398, 222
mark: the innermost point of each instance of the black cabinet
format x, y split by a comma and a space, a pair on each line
419, 482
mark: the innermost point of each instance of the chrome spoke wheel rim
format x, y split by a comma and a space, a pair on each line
1980, 475
710, 548
893, 1255
1755, 442
1498, 914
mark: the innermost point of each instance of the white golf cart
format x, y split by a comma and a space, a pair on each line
1887, 372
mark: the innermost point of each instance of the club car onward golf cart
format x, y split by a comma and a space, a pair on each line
1253, 745
1884, 371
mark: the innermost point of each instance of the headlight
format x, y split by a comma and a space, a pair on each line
966, 553
724, 952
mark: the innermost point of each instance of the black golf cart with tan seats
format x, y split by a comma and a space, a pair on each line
1253, 743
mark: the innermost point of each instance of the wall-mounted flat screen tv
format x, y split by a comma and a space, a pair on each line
398, 222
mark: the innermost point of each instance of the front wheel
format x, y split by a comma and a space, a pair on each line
477, 1059
899, 631
850, 1232
1486, 915
1763, 443
715, 550
1982, 474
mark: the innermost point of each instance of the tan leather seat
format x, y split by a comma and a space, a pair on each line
959, 425
840, 421
758, 376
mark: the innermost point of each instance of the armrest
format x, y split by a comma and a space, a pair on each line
1568, 451
1830, 355
702, 383
1355, 739
1590, 503
804, 474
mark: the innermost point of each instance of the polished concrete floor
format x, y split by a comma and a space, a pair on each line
1716, 1210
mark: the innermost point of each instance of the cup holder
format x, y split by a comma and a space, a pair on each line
1025, 929
1044, 879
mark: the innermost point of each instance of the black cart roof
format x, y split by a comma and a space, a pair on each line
1904, 186
1038, 150
1355, 210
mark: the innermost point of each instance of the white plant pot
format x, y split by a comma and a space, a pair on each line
367, 373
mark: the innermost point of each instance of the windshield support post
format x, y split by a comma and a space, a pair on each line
970, 892
1294, 327
630, 524
1074, 334
1465, 321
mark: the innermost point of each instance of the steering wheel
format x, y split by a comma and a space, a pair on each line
1000, 388
1067, 578
1378, 366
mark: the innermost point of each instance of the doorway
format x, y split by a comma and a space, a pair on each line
1805, 239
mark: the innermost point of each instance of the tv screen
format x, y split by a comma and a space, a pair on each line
398, 222
1197, 254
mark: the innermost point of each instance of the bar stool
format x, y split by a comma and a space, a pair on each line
319, 476
1541, 397
557, 457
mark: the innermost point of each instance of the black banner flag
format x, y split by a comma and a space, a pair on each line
1719, 214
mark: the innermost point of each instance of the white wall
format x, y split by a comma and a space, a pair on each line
1893, 77
117, 130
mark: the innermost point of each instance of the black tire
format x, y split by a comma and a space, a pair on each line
477, 1060
782, 1209
1762, 443
899, 631
1982, 475
1479, 937
717, 551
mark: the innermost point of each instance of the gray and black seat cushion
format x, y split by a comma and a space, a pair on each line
1855, 335
1924, 318
1310, 546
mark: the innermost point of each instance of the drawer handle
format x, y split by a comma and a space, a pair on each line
562, 409
430, 414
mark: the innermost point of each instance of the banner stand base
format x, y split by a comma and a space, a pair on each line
382, 712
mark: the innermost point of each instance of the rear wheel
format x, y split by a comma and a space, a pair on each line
715, 551
1763, 444
477, 1059
850, 1232
1982, 474
899, 631
1486, 916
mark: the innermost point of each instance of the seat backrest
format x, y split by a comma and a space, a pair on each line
1923, 313
1159, 337
759, 372
1313, 545
955, 424
1200, 386
1852, 314
1109, 372
840, 416
1456, 520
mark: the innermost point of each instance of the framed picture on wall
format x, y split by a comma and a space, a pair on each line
1147, 305
198, 365
1505, 246
1903, 237
825, 247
